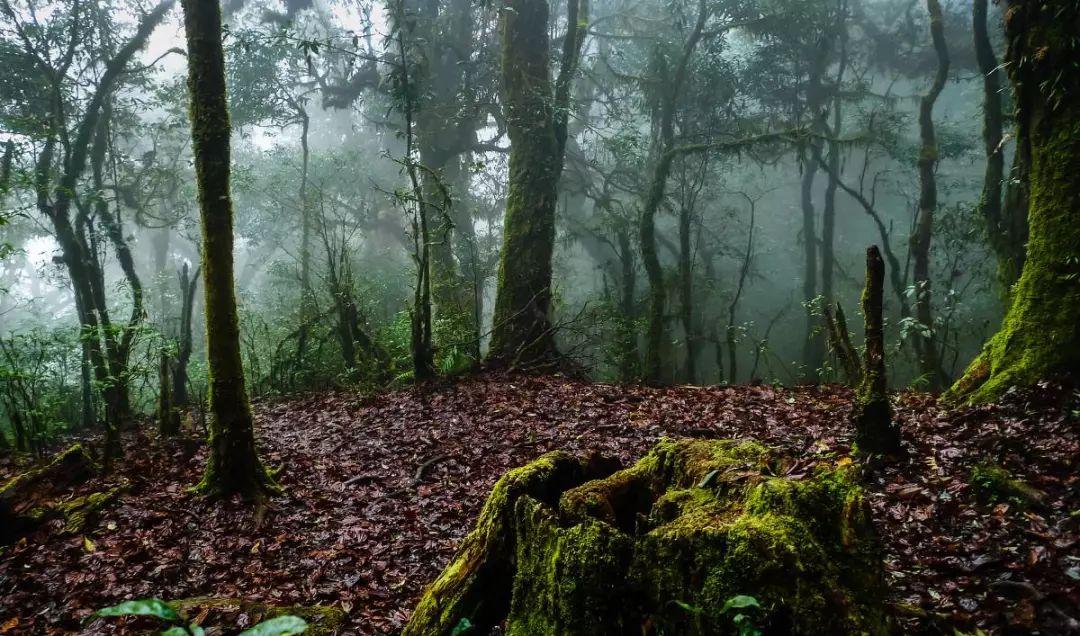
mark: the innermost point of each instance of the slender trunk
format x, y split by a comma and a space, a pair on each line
188, 284
233, 465
1040, 335
925, 338
663, 156
1007, 234
686, 290
813, 345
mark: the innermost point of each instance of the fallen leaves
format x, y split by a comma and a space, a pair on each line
379, 490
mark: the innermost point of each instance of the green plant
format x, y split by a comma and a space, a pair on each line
742, 619
155, 608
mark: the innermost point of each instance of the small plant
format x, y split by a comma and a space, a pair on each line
155, 608
741, 609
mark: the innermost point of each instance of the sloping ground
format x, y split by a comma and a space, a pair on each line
379, 490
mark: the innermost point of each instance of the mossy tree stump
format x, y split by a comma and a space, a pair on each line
660, 547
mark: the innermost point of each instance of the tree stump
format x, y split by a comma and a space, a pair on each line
661, 547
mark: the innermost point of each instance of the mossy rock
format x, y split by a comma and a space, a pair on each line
660, 547
208, 610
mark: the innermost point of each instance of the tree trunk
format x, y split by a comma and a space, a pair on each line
1040, 335
1006, 234
875, 431
522, 333
188, 285
925, 337
233, 465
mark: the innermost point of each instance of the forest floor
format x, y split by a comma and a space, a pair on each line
378, 491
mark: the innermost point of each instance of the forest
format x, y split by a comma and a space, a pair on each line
540, 317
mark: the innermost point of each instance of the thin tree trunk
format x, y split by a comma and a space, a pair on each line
875, 431
1007, 234
233, 465
925, 338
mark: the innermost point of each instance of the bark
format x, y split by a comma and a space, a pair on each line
1007, 234
522, 334
233, 465
926, 341
875, 431
1040, 335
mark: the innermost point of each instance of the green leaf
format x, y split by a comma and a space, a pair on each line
739, 602
175, 630
196, 630
280, 626
463, 627
143, 607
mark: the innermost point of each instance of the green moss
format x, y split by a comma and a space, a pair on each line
79, 513
476, 583
322, 619
1040, 334
662, 546
994, 484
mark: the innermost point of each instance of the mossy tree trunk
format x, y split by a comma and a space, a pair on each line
1040, 334
925, 338
536, 121
233, 465
1006, 226
875, 431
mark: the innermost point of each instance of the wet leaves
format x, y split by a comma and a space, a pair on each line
380, 489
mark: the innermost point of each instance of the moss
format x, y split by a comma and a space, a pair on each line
662, 545
322, 619
1040, 334
81, 512
476, 583
994, 484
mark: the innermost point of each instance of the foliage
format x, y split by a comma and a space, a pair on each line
279, 626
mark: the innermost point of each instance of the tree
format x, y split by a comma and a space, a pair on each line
106, 350
233, 465
925, 340
536, 120
1040, 334
1006, 226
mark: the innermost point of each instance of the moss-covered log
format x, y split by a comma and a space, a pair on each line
475, 587
1040, 335
662, 546
26, 499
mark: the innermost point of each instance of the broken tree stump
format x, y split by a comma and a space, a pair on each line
661, 547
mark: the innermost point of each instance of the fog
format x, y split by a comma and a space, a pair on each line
326, 127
